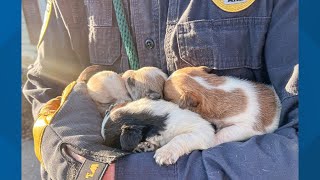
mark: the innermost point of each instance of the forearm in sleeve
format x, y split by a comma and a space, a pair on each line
56, 64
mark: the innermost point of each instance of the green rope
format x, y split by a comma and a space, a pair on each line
126, 35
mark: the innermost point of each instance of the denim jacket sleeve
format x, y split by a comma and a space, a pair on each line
56, 64
270, 156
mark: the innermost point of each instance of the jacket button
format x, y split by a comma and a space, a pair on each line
149, 43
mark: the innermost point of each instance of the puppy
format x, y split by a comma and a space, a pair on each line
147, 125
107, 88
145, 82
240, 109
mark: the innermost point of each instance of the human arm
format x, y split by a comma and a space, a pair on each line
270, 156
56, 64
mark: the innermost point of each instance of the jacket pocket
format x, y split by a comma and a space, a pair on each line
223, 44
104, 45
104, 36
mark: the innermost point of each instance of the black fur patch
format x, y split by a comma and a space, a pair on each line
131, 136
131, 81
125, 130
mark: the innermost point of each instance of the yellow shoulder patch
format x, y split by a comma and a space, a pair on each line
233, 5
46, 21
45, 117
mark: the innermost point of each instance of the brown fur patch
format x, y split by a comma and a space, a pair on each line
88, 72
101, 92
119, 106
106, 88
268, 106
141, 82
201, 71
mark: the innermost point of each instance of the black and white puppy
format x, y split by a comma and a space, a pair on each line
148, 125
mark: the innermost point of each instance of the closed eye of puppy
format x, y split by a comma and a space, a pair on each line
148, 125
107, 88
240, 109
145, 82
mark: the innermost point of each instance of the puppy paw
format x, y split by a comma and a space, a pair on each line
145, 147
165, 157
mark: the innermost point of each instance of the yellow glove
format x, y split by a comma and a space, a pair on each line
45, 117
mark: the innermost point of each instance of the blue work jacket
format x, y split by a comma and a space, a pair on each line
255, 40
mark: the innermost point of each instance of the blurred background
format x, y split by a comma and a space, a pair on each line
31, 22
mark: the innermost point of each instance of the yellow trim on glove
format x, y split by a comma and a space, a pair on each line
233, 6
45, 117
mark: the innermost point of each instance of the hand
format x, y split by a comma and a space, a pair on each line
72, 136
108, 175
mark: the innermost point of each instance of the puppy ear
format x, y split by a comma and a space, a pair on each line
131, 136
206, 69
131, 81
153, 95
187, 100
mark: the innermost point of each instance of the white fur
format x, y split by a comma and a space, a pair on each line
243, 123
185, 131
202, 82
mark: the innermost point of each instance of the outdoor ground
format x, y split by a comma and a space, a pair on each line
30, 165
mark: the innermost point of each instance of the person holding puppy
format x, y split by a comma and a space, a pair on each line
249, 39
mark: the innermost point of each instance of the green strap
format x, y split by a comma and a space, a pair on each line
126, 35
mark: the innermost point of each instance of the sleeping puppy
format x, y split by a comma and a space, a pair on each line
240, 109
145, 82
148, 125
107, 88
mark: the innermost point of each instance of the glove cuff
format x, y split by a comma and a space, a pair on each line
47, 113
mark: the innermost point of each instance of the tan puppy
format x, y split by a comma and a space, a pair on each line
145, 82
240, 109
107, 88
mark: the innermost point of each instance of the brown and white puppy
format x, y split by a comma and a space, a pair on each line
240, 109
107, 88
145, 82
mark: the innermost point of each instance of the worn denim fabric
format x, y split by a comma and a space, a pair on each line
259, 43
